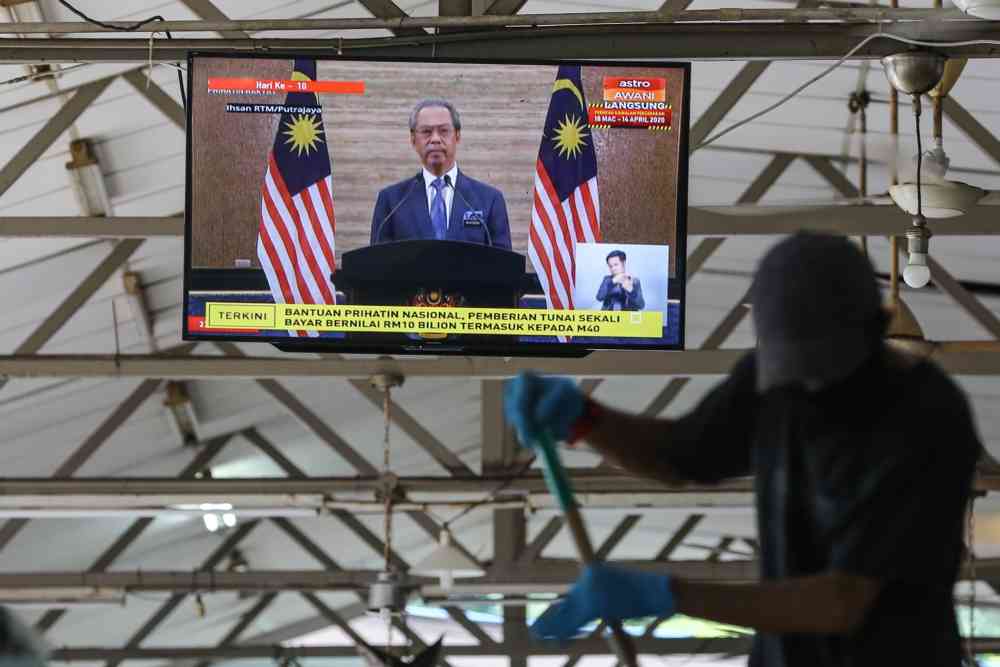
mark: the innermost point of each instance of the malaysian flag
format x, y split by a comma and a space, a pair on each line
566, 207
295, 243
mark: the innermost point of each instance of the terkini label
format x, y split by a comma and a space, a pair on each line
632, 102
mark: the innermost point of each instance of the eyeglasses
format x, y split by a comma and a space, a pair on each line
426, 132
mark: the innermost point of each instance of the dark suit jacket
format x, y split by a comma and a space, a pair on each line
609, 292
412, 219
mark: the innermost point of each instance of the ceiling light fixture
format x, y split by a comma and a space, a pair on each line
447, 563
916, 73
87, 179
983, 9
944, 199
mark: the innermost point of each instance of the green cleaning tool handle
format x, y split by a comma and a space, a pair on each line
555, 475
559, 486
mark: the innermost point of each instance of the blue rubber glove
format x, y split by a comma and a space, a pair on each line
535, 404
606, 593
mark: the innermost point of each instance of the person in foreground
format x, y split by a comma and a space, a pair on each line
19, 645
863, 462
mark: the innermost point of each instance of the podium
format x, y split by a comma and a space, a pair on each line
433, 274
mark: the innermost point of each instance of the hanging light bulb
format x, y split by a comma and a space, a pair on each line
211, 522
447, 563
904, 332
917, 274
915, 73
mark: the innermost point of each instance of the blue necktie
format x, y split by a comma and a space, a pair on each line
439, 214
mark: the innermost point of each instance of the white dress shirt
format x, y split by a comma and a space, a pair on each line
447, 192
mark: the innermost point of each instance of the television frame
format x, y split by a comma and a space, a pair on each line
432, 348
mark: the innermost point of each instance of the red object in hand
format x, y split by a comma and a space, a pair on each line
592, 413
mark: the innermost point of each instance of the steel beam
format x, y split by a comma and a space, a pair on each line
848, 220
205, 10
505, 7
963, 297
394, 17
552, 575
246, 620
714, 341
591, 483
276, 455
509, 532
388, 16
334, 618
148, 490
499, 448
702, 221
426, 440
674, 7
724, 103
701, 254
84, 227
458, 615
619, 533
957, 357
677, 539
170, 367
576, 647
972, 128
833, 176
693, 41
44, 332
310, 419
206, 453
104, 431
533, 551
157, 96
51, 131
314, 423
168, 607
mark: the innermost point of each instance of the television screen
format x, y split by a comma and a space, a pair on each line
390, 205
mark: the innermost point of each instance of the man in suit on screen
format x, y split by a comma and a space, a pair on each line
440, 202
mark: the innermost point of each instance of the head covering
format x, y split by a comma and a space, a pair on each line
817, 311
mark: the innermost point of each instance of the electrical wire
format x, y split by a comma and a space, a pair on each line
864, 42
34, 76
493, 494
131, 27
920, 163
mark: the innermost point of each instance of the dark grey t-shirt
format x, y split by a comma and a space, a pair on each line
868, 477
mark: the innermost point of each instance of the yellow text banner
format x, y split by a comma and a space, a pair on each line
406, 319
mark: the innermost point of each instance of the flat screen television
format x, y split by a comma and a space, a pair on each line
435, 207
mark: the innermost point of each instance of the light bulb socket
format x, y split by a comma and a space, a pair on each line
389, 591
918, 236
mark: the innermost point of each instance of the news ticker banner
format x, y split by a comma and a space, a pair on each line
408, 319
